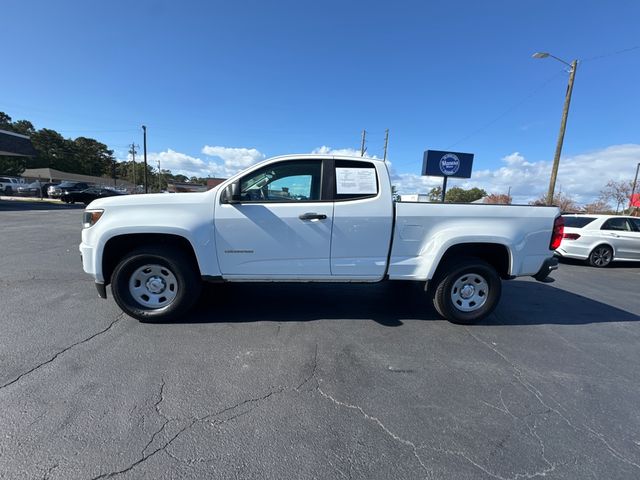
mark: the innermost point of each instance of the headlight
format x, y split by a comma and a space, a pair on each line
90, 217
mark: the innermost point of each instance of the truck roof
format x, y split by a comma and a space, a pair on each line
326, 156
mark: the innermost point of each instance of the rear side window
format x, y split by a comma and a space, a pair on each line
635, 222
617, 224
355, 180
577, 222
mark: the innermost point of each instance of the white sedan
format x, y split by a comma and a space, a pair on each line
600, 239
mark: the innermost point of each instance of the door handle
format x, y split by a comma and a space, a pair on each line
312, 216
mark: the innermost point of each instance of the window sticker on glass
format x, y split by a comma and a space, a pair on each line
356, 180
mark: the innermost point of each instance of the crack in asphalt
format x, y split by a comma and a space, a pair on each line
48, 472
254, 403
519, 376
463, 455
64, 350
166, 421
313, 370
377, 421
551, 466
144, 458
192, 422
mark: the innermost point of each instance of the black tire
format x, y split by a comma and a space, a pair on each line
601, 256
8, 191
186, 280
480, 280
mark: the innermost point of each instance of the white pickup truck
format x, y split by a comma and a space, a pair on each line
311, 218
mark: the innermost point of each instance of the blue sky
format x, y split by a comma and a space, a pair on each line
254, 79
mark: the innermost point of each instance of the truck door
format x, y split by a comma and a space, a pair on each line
281, 227
362, 218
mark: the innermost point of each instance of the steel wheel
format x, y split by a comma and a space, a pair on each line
469, 292
154, 286
466, 290
601, 256
156, 283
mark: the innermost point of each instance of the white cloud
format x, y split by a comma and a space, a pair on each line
235, 159
350, 152
580, 176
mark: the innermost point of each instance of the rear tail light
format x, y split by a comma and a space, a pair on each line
558, 232
571, 236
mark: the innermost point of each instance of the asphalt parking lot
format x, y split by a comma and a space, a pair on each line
311, 381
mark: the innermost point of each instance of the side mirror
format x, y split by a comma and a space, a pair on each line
231, 193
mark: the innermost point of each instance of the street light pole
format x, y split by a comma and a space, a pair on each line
563, 123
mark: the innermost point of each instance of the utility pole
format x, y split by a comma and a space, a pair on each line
364, 139
386, 144
563, 126
633, 189
146, 185
159, 177
133, 152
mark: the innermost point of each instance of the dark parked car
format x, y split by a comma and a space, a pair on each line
57, 191
88, 195
35, 189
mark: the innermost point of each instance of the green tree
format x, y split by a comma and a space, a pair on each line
460, 195
5, 122
435, 194
457, 194
92, 157
12, 165
51, 149
23, 127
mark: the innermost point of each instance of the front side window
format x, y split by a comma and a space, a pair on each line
616, 224
289, 181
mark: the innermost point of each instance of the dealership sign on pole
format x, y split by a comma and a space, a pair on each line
437, 163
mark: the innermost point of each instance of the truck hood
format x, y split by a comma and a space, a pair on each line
152, 199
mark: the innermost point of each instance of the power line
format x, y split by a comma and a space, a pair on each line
611, 54
508, 110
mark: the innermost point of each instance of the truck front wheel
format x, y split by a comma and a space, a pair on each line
467, 291
155, 284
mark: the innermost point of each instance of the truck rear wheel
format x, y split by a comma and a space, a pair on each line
154, 284
467, 291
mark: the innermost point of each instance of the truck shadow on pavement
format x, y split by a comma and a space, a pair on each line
390, 303
24, 205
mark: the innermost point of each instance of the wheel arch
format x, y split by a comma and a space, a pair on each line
118, 246
603, 244
495, 254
